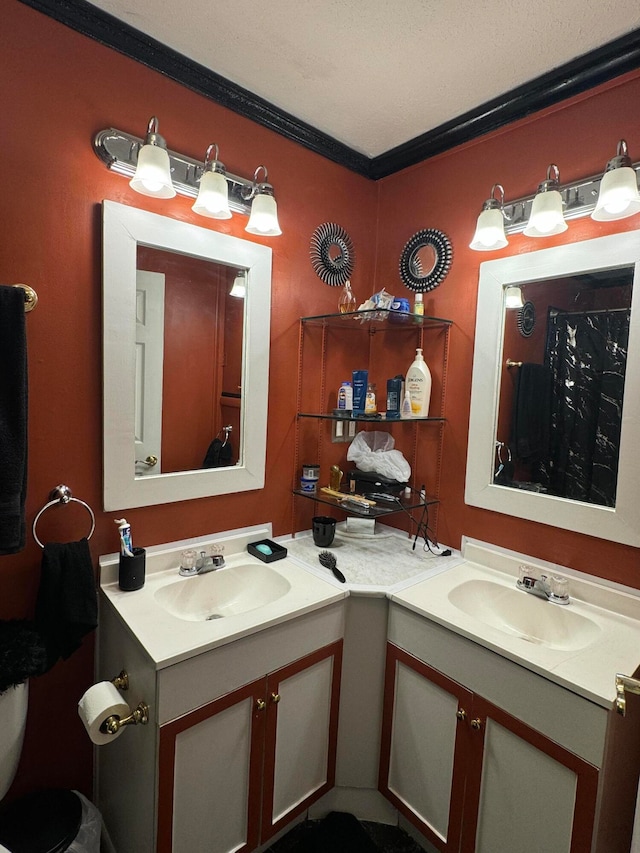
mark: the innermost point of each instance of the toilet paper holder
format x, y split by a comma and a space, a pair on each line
139, 716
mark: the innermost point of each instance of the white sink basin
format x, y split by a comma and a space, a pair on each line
523, 615
225, 592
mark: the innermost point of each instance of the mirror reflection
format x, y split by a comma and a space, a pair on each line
189, 345
562, 385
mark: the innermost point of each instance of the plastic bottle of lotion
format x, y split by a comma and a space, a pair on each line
418, 385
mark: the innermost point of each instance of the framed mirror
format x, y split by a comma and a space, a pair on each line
185, 360
555, 415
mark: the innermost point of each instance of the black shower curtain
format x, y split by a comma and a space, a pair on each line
587, 355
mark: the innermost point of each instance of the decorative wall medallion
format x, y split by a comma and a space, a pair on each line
426, 260
332, 254
526, 319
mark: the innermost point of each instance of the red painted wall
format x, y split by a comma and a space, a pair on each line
58, 89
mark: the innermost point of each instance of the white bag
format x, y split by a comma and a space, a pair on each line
374, 451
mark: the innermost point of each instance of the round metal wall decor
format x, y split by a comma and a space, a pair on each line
426, 260
332, 254
526, 319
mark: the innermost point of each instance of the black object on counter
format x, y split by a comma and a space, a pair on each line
131, 570
328, 560
278, 552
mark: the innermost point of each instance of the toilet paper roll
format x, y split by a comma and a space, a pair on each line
101, 701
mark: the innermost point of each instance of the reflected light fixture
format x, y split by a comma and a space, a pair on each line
513, 297
153, 172
490, 226
547, 217
213, 195
264, 210
239, 287
618, 196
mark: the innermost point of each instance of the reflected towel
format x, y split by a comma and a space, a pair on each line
67, 602
532, 413
13, 419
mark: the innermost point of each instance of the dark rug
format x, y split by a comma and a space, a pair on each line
338, 832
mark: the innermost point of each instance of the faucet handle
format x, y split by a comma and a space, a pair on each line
526, 576
559, 589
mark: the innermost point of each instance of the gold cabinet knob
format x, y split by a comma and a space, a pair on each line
261, 705
476, 723
275, 698
461, 714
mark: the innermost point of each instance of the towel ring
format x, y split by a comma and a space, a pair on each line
62, 495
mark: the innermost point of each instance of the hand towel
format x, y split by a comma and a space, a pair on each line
13, 419
67, 602
532, 413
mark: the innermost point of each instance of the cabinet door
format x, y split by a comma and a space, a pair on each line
302, 727
525, 793
425, 745
210, 768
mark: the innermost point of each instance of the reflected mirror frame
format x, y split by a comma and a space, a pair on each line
123, 228
619, 524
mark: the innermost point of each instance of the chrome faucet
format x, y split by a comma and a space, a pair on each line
553, 589
193, 564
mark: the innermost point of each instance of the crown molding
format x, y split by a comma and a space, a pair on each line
581, 74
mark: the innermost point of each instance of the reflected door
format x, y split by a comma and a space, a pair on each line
150, 288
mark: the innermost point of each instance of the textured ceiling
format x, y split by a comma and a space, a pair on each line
374, 74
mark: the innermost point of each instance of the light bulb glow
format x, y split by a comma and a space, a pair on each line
264, 216
618, 196
489, 232
546, 215
153, 173
213, 196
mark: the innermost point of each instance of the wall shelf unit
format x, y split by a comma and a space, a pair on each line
331, 346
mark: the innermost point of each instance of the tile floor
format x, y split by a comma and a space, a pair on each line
389, 839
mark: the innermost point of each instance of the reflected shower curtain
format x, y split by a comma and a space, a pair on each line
587, 354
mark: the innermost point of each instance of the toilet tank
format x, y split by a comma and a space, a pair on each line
13, 720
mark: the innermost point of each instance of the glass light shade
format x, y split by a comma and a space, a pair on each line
618, 196
489, 232
264, 216
213, 196
153, 173
513, 297
546, 215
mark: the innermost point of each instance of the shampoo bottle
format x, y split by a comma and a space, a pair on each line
418, 386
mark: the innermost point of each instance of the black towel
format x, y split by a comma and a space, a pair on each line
67, 603
218, 454
13, 419
532, 413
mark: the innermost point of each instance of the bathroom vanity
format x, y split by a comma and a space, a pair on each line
497, 711
242, 727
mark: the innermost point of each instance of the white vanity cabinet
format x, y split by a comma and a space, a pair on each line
236, 770
240, 740
484, 756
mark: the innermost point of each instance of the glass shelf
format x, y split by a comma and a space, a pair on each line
329, 416
381, 508
382, 320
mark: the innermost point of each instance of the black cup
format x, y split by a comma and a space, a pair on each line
324, 529
131, 570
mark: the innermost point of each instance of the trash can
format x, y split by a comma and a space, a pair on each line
51, 821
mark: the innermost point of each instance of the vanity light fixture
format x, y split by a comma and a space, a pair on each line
490, 226
213, 195
153, 172
547, 217
618, 196
264, 210
613, 195
126, 154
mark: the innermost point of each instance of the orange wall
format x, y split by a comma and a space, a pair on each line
57, 89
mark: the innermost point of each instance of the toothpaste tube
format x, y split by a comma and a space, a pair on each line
126, 546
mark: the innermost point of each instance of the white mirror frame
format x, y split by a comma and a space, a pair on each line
619, 524
123, 229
